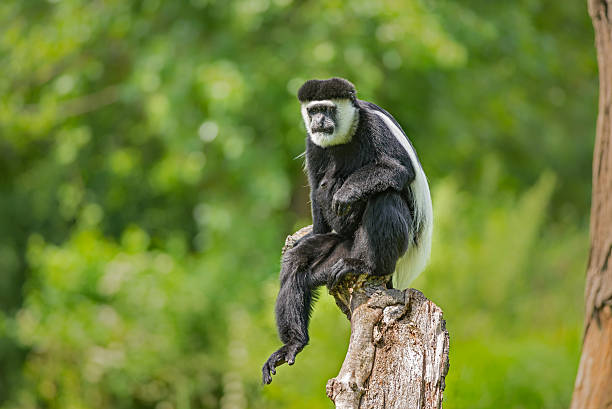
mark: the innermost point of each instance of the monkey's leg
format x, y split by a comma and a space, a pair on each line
294, 301
385, 233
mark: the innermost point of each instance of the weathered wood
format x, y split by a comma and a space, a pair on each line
593, 387
399, 347
398, 353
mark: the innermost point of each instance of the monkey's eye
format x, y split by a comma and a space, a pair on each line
321, 109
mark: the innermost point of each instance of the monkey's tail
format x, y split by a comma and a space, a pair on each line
413, 262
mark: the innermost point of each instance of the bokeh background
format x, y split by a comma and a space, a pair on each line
150, 171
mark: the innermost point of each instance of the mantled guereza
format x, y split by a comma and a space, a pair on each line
371, 207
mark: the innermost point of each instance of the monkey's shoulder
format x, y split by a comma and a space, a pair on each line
388, 139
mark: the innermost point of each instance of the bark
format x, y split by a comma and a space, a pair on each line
593, 387
398, 352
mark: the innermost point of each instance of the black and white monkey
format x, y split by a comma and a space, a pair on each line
371, 207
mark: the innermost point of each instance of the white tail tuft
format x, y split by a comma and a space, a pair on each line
413, 262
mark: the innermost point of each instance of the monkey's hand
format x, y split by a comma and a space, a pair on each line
286, 353
343, 199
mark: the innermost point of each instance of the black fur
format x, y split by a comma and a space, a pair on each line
361, 211
313, 90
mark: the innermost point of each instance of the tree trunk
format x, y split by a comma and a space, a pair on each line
593, 387
398, 352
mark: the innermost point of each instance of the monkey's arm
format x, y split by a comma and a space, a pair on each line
387, 173
319, 224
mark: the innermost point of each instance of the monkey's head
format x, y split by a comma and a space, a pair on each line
329, 110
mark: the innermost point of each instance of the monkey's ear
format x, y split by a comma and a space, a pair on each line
316, 90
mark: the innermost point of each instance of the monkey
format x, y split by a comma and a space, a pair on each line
370, 205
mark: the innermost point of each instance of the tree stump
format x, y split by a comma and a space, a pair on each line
398, 352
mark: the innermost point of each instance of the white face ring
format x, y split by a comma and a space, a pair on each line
346, 122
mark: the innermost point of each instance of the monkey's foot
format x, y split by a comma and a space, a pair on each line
342, 268
286, 353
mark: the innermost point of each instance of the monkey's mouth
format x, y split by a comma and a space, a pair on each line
323, 129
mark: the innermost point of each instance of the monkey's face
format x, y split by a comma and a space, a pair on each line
330, 122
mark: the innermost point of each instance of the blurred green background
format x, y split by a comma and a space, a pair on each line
149, 174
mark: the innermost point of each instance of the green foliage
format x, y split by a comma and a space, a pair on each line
511, 297
148, 177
